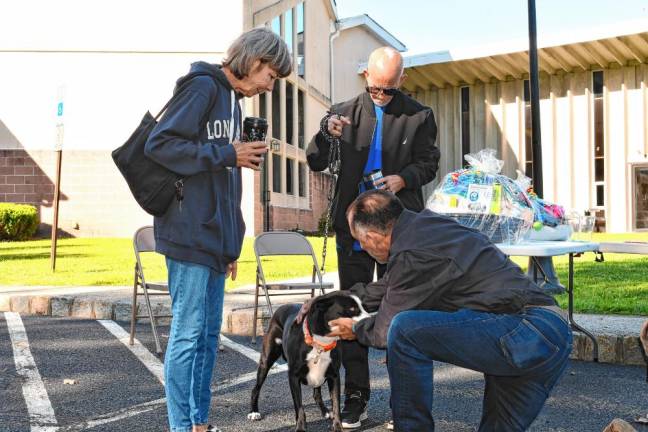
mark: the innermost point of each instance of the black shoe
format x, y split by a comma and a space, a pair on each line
355, 410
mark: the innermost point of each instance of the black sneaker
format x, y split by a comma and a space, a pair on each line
355, 410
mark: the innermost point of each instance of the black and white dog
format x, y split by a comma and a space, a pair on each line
312, 357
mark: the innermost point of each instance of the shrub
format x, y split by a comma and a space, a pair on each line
321, 225
18, 221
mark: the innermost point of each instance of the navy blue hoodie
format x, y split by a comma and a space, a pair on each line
193, 140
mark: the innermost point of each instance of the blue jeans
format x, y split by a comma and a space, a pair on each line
522, 356
197, 304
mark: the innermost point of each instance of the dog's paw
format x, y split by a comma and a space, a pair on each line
254, 416
336, 427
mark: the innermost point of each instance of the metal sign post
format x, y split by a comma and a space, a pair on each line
58, 147
265, 195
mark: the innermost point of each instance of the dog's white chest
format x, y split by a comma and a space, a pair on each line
317, 366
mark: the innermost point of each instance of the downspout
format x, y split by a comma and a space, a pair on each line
333, 35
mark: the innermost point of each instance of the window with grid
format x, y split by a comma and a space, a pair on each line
290, 190
289, 112
301, 69
276, 173
302, 176
528, 133
465, 121
599, 140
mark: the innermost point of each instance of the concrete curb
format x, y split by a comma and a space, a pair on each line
617, 344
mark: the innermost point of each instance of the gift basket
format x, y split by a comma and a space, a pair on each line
480, 197
549, 220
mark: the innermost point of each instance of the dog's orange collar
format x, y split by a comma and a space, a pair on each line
309, 340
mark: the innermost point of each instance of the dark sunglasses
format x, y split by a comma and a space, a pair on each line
375, 91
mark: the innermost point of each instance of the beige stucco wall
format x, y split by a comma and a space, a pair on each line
351, 48
318, 28
114, 67
566, 109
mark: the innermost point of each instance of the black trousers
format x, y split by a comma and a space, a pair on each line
356, 267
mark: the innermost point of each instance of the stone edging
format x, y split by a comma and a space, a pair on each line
612, 348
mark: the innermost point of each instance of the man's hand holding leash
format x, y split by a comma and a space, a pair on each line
336, 123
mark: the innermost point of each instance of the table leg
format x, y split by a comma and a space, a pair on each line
570, 308
536, 267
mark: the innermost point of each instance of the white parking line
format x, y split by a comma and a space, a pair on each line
39, 407
145, 407
252, 355
246, 351
151, 362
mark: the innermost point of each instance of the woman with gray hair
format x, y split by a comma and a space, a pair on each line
201, 234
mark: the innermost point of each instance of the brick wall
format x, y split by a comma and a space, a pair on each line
22, 180
95, 200
282, 218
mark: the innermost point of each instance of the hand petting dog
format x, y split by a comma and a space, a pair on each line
342, 328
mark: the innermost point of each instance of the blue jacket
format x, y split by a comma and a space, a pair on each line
193, 140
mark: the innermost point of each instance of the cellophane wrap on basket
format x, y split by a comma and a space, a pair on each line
546, 213
481, 198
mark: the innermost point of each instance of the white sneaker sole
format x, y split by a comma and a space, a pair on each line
357, 424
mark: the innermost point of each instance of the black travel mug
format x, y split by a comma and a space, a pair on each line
254, 129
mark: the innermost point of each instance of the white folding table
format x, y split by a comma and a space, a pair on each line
554, 248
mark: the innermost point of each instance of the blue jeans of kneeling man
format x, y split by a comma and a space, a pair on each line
197, 304
522, 356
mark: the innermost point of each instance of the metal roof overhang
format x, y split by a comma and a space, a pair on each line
438, 70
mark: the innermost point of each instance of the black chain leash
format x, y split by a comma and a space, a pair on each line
334, 164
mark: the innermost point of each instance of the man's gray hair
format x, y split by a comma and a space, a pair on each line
258, 44
375, 209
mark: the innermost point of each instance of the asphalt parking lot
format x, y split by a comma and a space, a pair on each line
73, 375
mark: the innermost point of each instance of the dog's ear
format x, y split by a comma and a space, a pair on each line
322, 303
306, 307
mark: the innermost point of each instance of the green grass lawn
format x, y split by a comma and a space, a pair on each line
110, 261
619, 285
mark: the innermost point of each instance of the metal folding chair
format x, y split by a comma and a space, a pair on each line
286, 243
143, 242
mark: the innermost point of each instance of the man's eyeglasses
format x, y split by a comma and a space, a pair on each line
377, 91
